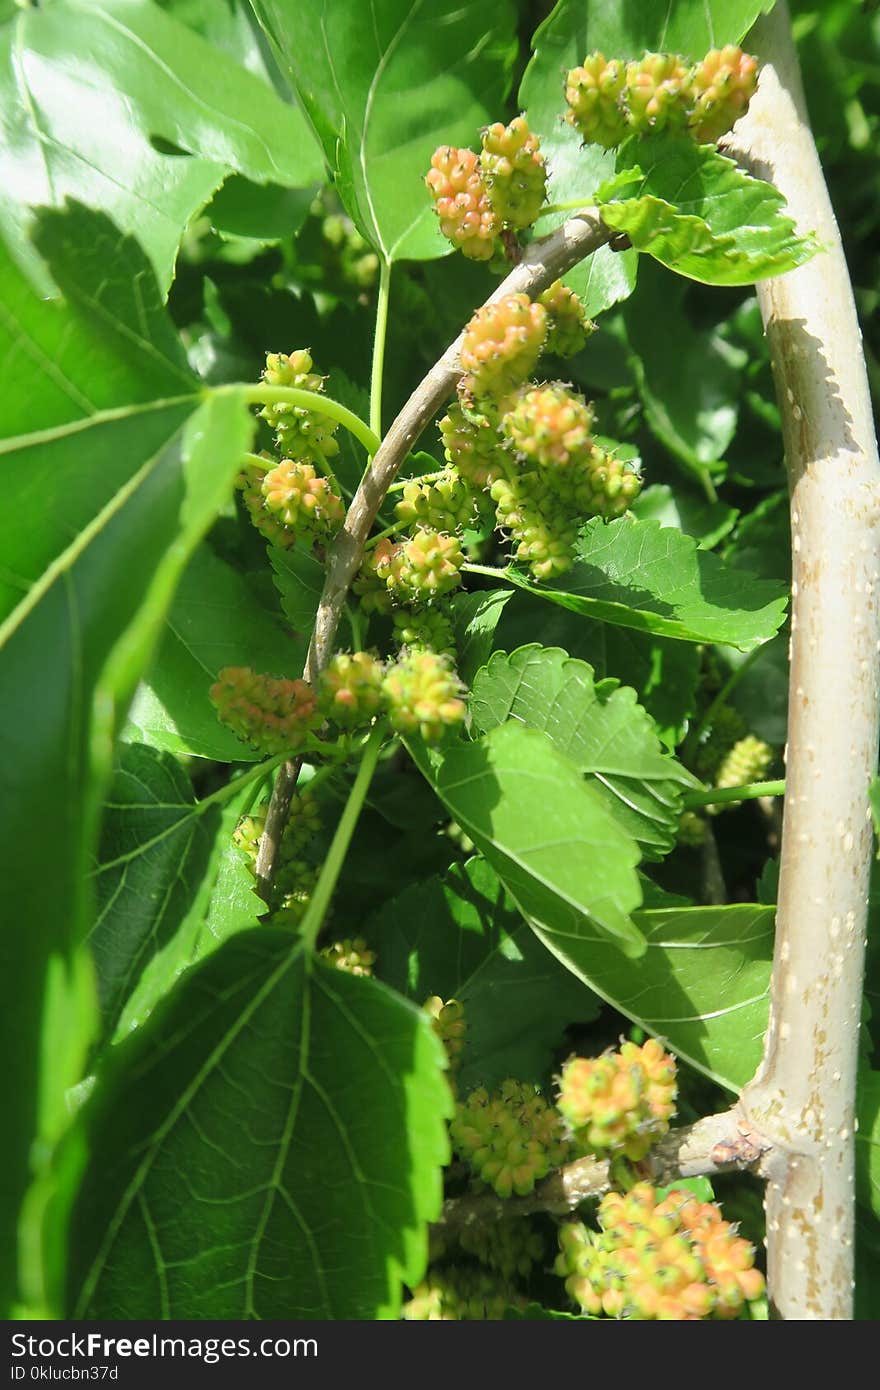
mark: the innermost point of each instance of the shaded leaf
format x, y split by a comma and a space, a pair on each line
218, 1129
460, 936
216, 620
571, 867
703, 982
601, 729
476, 618
699, 214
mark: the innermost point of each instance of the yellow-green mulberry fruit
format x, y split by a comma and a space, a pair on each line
747, 761
593, 92
514, 172
621, 1101
352, 956
473, 447
302, 501
426, 566
511, 1139
426, 629
722, 86
350, 689
270, 713
513, 1246
461, 201
550, 425
657, 93
446, 504
460, 1294
727, 727
450, 1025
501, 344
541, 530
423, 695
568, 327
600, 484
300, 433
250, 484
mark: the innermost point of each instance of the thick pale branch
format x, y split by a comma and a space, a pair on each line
803, 1096
717, 1144
542, 263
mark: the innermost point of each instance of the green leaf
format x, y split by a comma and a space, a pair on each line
96, 562
238, 1167
299, 578
216, 620
699, 214
570, 868
460, 936
690, 395
475, 618
268, 213
702, 984
415, 76
152, 859
601, 729
868, 1139
138, 81
636, 574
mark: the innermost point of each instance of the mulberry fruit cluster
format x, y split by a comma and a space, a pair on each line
350, 692
607, 100
351, 955
656, 1257
501, 346
300, 433
426, 629
296, 867
748, 761
620, 1102
270, 713
304, 503
567, 324
423, 695
513, 1246
482, 200
450, 1025
446, 504
413, 571
510, 1139
456, 1294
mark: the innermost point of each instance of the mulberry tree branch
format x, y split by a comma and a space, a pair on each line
803, 1095
543, 262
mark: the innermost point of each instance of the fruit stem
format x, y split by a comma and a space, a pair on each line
261, 394
717, 796
379, 349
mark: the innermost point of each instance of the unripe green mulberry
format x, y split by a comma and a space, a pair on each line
350, 689
501, 345
457, 1294
747, 761
727, 727
303, 824
513, 1246
621, 1101
270, 713
567, 324
550, 425
250, 484
514, 172
593, 93
722, 86
352, 956
599, 484
541, 530
247, 834
691, 830
461, 201
425, 630
423, 694
450, 1025
300, 433
447, 504
301, 500
472, 447
421, 568
511, 1139
657, 93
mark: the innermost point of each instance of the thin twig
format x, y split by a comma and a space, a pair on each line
544, 261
